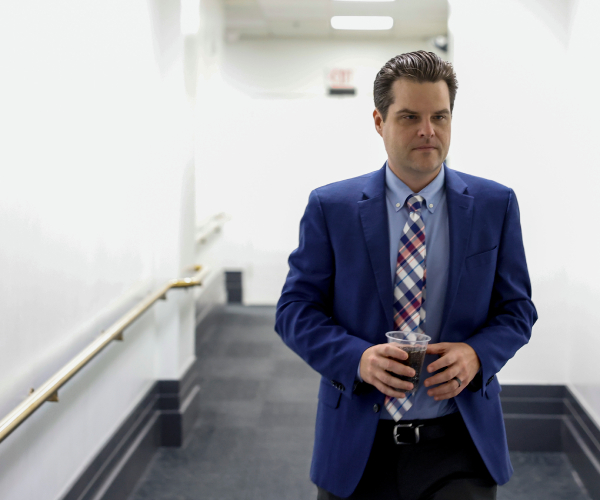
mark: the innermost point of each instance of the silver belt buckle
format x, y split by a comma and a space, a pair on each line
397, 428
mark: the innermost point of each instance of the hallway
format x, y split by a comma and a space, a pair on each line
253, 439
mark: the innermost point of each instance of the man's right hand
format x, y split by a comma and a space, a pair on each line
377, 361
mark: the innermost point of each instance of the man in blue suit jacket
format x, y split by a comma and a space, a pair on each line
337, 305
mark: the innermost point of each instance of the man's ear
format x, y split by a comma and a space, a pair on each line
378, 122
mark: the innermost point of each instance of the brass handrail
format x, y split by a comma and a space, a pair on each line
48, 391
211, 225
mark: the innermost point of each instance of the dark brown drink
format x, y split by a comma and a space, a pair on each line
416, 355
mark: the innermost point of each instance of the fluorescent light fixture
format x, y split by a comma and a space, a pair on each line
362, 22
364, 0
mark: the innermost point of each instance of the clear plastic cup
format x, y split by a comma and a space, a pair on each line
415, 345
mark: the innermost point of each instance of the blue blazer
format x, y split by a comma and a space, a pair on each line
337, 301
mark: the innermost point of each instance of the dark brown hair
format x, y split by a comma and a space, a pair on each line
419, 66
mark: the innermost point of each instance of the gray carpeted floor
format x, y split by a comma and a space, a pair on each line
253, 440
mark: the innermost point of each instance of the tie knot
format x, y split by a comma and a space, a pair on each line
415, 202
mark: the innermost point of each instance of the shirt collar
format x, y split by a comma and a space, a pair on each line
397, 191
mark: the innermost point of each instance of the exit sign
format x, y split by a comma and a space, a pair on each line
340, 81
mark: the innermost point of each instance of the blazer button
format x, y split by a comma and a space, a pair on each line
375, 408
338, 385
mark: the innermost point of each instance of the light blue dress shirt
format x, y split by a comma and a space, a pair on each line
437, 241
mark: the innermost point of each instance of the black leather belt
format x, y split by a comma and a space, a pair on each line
422, 431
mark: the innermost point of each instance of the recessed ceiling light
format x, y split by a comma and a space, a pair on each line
362, 22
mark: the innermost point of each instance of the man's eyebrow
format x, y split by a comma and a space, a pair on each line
444, 111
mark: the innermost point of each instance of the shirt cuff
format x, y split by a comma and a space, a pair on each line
358, 377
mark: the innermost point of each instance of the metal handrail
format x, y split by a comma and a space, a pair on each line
211, 225
48, 391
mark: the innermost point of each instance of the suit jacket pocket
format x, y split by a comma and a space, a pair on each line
481, 259
329, 395
493, 389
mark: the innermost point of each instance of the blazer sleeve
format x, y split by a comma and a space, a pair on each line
511, 312
304, 311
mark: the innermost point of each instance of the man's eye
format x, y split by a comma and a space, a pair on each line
409, 117
440, 117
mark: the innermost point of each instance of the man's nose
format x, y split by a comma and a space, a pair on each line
426, 129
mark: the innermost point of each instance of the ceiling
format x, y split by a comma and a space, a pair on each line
311, 18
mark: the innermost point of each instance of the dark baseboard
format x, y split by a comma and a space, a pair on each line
179, 406
549, 418
125, 455
537, 418
164, 417
533, 416
233, 287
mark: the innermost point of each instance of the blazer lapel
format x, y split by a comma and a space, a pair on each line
373, 215
460, 218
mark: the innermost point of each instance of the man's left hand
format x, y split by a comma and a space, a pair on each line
459, 360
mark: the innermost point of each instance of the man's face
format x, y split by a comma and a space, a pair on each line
416, 132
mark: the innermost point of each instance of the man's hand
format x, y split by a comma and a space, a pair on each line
459, 360
380, 359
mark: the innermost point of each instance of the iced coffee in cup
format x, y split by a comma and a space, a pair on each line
415, 345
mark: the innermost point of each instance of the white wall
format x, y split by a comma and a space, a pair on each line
277, 136
97, 207
526, 116
580, 178
508, 126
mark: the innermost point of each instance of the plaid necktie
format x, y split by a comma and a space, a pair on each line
409, 290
